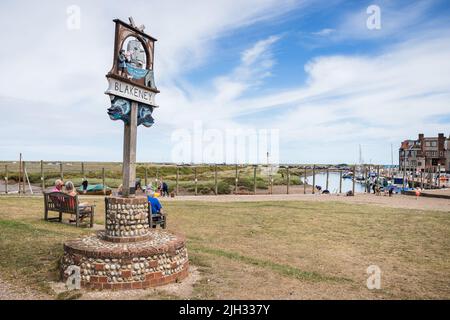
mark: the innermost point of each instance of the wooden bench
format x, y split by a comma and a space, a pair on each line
63, 203
156, 219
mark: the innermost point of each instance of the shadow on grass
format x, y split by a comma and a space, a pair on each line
282, 269
30, 254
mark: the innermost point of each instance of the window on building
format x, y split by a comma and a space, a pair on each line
434, 143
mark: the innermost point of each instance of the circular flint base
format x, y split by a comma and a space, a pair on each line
160, 260
106, 237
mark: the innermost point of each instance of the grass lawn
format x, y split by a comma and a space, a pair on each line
261, 250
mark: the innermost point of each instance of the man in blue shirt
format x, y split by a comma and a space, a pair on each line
154, 202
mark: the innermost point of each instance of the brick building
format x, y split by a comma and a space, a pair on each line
425, 153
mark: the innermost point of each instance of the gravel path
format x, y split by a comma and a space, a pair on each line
10, 291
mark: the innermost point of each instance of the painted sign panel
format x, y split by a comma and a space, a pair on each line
129, 91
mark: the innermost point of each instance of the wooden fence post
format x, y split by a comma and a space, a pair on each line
216, 186
42, 177
270, 180
103, 180
195, 180
354, 179
304, 182
6, 179
82, 170
328, 178
236, 180
24, 190
61, 171
314, 180
254, 179
20, 174
340, 181
177, 181
146, 177
288, 180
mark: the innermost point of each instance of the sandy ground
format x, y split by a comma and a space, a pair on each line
397, 201
183, 290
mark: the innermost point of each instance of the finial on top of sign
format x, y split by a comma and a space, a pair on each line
132, 22
140, 28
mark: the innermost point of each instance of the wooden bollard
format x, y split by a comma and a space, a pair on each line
328, 178
340, 181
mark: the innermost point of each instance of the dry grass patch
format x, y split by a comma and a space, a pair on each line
277, 250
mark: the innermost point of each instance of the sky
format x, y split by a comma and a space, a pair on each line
306, 81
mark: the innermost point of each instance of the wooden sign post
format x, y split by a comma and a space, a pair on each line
132, 92
129, 154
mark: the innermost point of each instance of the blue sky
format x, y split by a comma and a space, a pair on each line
310, 70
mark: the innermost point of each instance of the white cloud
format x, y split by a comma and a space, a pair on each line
324, 32
251, 55
53, 78
381, 97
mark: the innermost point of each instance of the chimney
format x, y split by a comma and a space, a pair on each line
421, 136
441, 135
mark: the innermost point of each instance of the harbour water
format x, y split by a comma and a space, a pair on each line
333, 182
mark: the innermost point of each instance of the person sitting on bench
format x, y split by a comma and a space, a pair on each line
154, 203
137, 185
58, 186
84, 207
